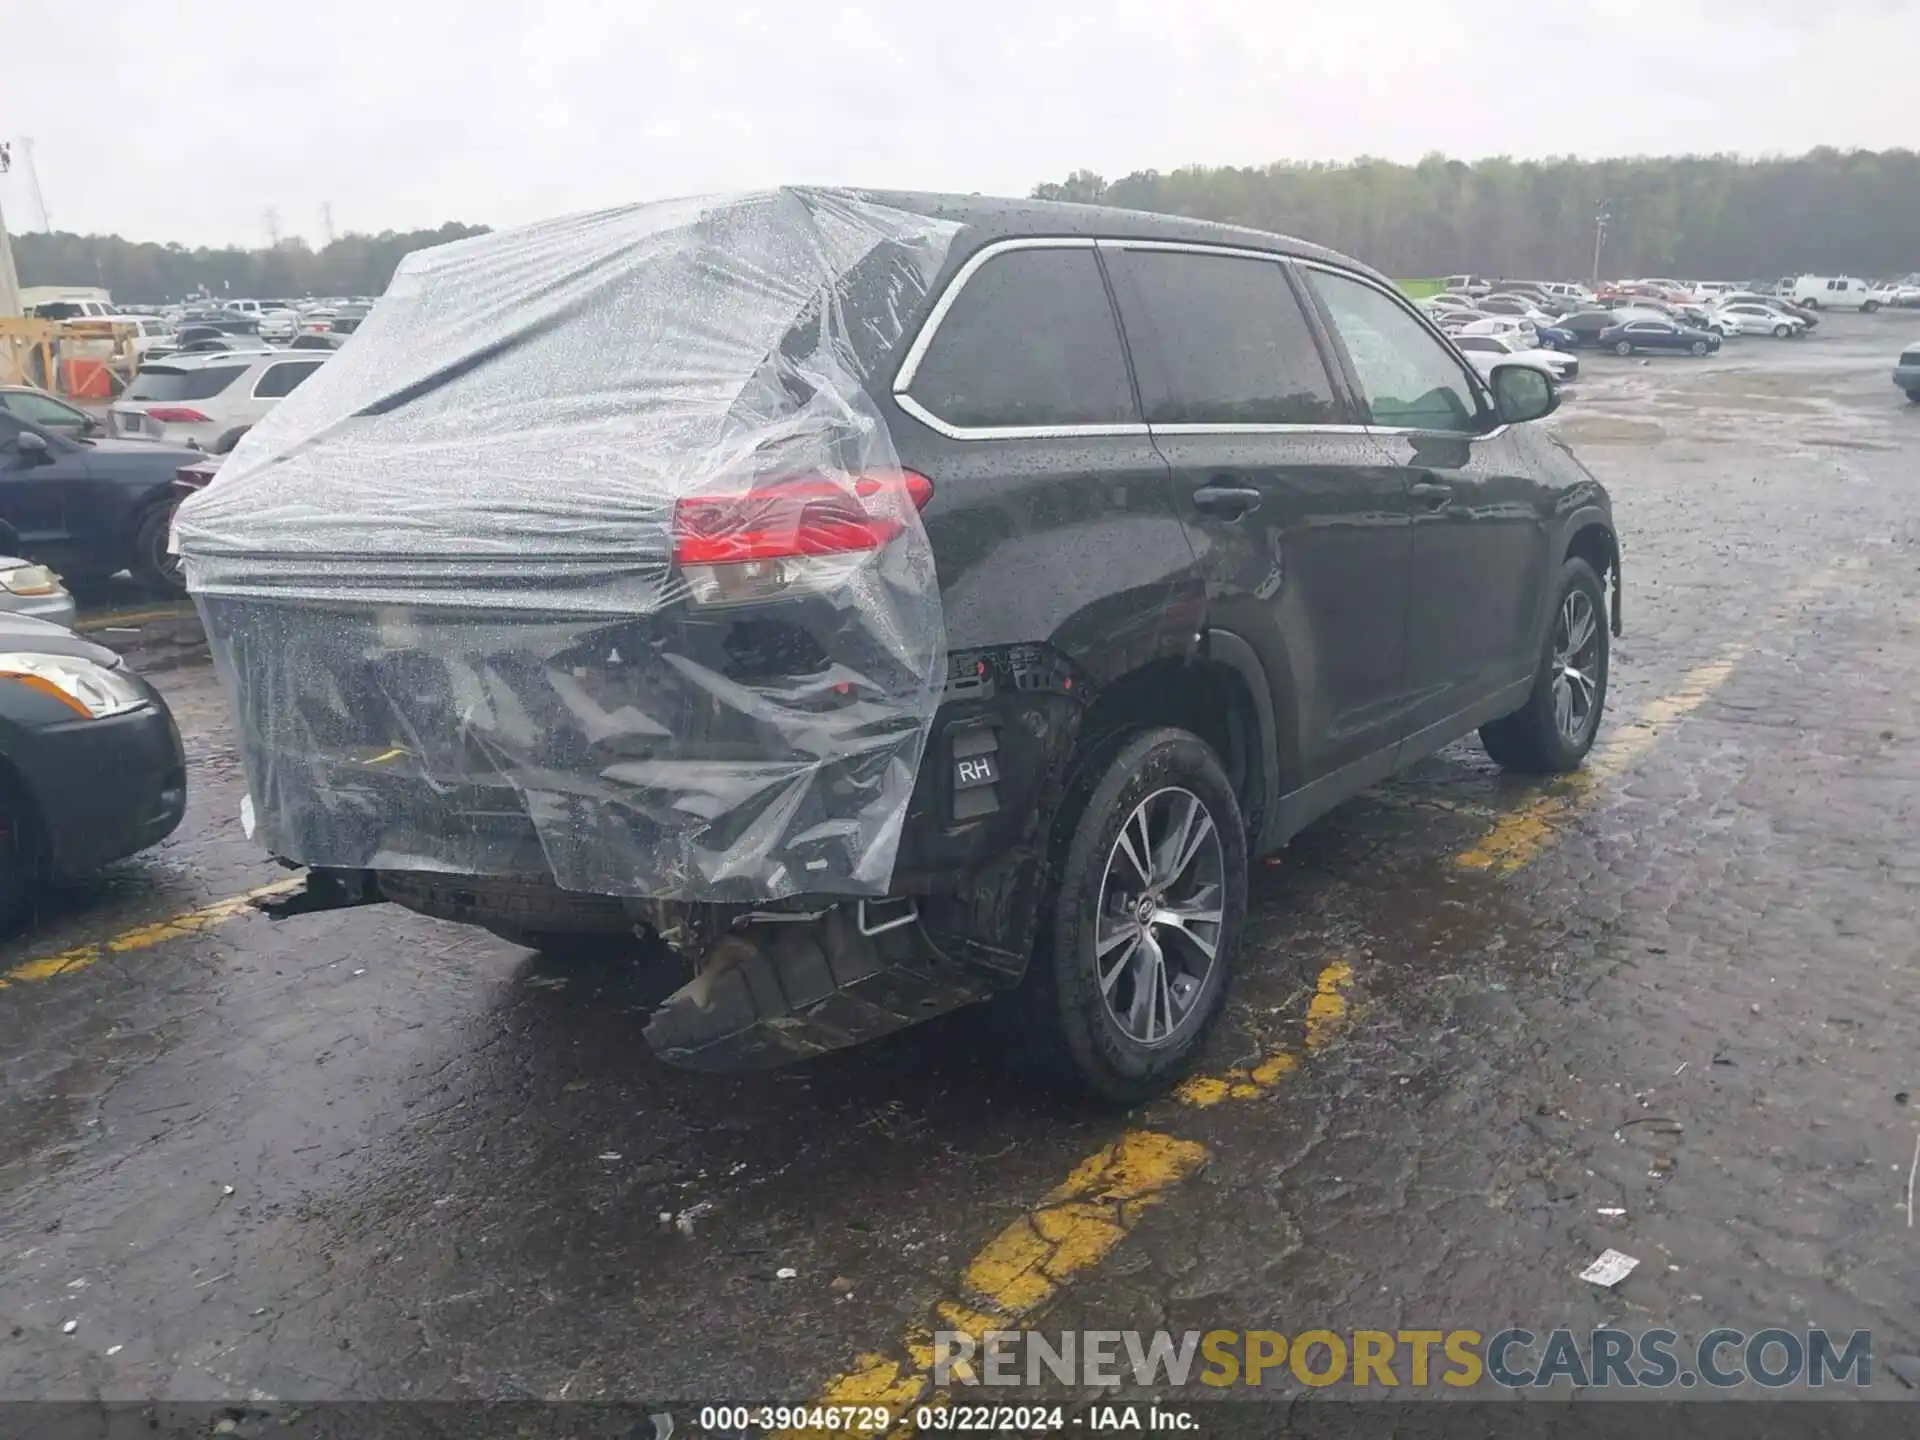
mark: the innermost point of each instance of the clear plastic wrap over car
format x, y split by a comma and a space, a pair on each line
490, 591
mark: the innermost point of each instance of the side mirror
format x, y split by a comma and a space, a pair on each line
33, 448
1522, 393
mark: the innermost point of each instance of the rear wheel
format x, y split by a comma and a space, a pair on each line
1623, 347
1869, 306
1132, 972
1553, 731
1699, 347
153, 566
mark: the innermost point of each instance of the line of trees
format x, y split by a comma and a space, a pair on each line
1853, 212
144, 273
1700, 216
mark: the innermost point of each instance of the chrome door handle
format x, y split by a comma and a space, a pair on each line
1228, 501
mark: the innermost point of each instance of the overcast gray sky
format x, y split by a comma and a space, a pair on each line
186, 119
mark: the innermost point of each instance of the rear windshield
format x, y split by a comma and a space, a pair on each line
1912, 357
166, 382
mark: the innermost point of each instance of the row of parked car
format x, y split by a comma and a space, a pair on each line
1538, 321
92, 493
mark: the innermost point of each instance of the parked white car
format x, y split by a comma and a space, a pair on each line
1749, 317
1574, 295
1833, 292
278, 325
209, 400
1484, 352
1508, 327
1895, 293
154, 332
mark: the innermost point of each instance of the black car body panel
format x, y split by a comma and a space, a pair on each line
98, 789
77, 504
1646, 334
1452, 602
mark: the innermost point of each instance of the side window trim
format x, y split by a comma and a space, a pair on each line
1471, 377
1331, 360
929, 328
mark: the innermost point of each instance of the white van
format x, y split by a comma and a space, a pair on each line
1564, 290
1834, 292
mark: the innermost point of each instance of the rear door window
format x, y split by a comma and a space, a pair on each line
1409, 379
168, 382
281, 379
1221, 340
1029, 341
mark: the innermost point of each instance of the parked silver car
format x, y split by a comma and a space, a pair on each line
29, 589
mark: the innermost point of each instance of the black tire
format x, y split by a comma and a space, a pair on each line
1914, 396
152, 566
1699, 347
19, 854
1623, 347
1867, 307
1058, 1010
1809, 303
1531, 738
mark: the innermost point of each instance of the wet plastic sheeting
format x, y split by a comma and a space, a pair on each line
440, 578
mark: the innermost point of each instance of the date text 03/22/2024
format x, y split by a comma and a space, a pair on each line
962, 1419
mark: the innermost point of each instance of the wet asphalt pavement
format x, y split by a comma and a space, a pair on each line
367, 1155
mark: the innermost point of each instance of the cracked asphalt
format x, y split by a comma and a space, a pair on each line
365, 1155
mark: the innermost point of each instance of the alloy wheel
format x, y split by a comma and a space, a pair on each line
1157, 928
1576, 660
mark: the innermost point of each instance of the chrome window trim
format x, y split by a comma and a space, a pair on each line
1014, 432
917, 352
1183, 427
1476, 386
1194, 247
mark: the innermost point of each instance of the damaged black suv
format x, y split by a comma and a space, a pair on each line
1042, 565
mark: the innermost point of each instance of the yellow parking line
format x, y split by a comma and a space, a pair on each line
130, 617
1521, 834
1076, 1225
141, 937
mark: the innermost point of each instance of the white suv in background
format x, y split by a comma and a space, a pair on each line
209, 400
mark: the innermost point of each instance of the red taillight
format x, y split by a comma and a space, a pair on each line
176, 415
786, 519
790, 535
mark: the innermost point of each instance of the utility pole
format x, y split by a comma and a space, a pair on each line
326, 220
271, 218
33, 183
9, 279
1600, 219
